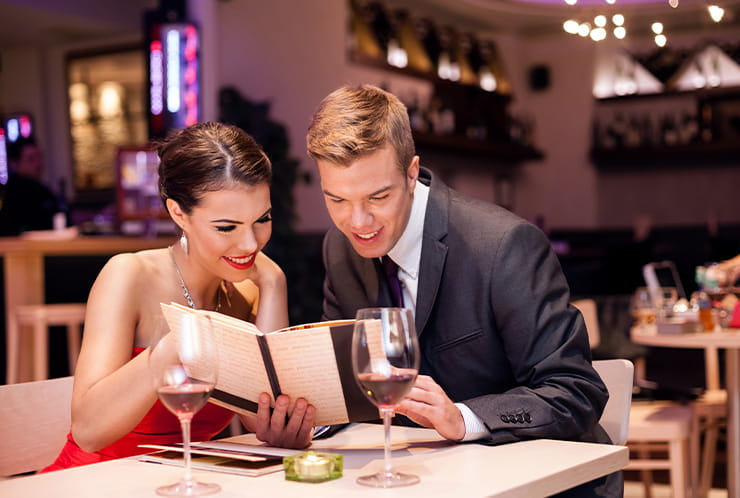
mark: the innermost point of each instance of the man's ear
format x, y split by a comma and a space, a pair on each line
176, 213
412, 174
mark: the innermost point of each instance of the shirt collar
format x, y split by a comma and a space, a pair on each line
407, 251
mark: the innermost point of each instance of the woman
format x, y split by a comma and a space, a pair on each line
214, 180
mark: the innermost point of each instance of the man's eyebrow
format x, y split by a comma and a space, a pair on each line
371, 194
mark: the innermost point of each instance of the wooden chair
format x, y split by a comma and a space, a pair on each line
657, 428
587, 307
35, 419
618, 376
39, 317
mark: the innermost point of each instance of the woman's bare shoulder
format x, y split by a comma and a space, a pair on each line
134, 266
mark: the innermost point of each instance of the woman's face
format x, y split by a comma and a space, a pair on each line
228, 228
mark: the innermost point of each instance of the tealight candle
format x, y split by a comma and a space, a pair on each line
311, 466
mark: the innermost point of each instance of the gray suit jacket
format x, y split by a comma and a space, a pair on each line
495, 327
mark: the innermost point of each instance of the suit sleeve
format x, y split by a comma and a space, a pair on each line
558, 394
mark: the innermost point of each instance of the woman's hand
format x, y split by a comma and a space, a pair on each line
282, 429
266, 273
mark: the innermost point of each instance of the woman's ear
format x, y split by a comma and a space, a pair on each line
176, 213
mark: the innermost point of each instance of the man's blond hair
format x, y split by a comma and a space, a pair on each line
355, 121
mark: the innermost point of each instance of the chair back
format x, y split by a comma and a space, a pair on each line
587, 307
35, 418
618, 376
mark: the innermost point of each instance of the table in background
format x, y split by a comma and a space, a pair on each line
728, 339
524, 469
23, 263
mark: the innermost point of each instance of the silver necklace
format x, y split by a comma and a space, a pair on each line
185, 291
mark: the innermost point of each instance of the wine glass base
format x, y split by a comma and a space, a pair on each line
189, 488
388, 480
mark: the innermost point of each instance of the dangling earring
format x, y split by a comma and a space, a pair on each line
184, 242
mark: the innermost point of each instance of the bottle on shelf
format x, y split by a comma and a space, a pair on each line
689, 128
668, 131
706, 125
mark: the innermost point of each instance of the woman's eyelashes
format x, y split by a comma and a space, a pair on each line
230, 228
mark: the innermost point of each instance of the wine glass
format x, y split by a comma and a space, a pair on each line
642, 308
184, 364
385, 362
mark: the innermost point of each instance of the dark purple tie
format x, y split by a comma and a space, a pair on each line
391, 274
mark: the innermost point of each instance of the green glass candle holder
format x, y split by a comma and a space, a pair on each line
312, 466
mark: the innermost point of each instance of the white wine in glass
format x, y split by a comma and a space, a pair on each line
385, 361
184, 364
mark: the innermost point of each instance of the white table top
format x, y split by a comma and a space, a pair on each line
647, 335
525, 469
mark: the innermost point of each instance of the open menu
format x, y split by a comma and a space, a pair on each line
222, 456
312, 361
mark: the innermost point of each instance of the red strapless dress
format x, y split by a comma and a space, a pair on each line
159, 426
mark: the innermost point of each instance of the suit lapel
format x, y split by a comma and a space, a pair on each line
433, 249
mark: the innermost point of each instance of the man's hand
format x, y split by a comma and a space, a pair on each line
273, 429
428, 405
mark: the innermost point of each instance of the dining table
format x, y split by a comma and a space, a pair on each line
531, 469
23, 265
729, 340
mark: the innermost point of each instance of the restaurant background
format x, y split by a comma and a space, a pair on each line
285, 56
291, 54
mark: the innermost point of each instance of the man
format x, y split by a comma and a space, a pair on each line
26, 203
504, 356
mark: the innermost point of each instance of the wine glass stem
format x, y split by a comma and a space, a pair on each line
185, 424
387, 415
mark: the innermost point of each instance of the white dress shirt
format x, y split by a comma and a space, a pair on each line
407, 255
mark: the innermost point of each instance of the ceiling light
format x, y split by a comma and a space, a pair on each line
571, 2
610, 2
487, 80
618, 19
620, 32
660, 40
673, 3
570, 26
584, 29
600, 21
657, 27
598, 34
716, 12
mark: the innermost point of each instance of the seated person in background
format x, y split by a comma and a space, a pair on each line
504, 356
729, 271
214, 180
26, 204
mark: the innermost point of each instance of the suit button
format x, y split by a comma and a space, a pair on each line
527, 417
520, 418
504, 419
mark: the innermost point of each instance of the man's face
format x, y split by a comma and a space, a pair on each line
370, 200
30, 163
